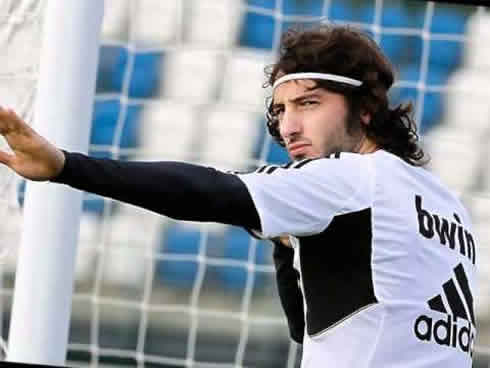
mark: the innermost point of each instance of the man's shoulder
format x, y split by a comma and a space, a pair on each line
351, 166
334, 159
271, 168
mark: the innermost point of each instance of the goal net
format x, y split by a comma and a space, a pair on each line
181, 80
20, 25
20, 30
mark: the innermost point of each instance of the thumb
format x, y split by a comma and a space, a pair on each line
5, 158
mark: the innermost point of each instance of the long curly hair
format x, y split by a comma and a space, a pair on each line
348, 52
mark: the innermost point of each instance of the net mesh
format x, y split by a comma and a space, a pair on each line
180, 80
20, 30
20, 25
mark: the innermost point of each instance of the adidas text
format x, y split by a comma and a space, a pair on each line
446, 332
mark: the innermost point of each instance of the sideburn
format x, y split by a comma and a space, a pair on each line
355, 128
353, 99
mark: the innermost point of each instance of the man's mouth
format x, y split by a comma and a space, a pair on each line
298, 148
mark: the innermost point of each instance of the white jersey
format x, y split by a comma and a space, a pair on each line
386, 257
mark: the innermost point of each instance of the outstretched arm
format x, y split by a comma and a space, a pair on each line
176, 189
179, 190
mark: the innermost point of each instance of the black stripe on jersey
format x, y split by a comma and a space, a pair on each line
299, 164
271, 169
454, 300
470, 243
302, 163
334, 155
436, 304
336, 271
261, 169
465, 288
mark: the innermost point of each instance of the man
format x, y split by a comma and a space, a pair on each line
381, 272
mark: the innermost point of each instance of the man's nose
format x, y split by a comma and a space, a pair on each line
290, 125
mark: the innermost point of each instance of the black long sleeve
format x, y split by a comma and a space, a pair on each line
289, 292
175, 189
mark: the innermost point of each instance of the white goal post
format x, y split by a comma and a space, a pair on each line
63, 110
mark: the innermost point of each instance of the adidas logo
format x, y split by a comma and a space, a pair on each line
450, 332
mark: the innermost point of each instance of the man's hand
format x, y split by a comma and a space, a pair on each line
33, 156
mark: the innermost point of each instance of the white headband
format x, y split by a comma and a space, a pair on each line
324, 76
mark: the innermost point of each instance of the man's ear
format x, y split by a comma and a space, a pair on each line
365, 117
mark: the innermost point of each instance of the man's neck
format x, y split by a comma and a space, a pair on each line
367, 145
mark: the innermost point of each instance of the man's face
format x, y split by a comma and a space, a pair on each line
312, 122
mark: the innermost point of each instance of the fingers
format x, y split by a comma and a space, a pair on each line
5, 158
5, 117
9, 121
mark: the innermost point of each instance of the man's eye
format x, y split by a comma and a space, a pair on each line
277, 112
309, 102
